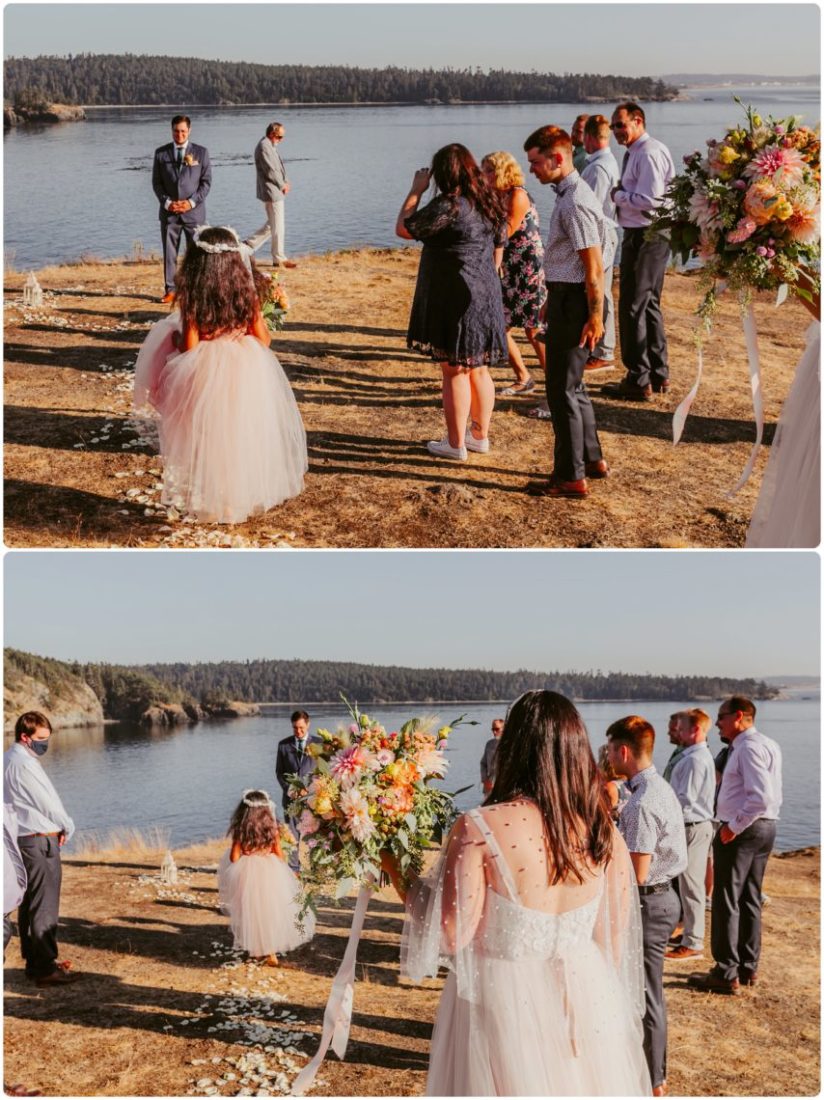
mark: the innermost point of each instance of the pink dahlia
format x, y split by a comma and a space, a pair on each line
347, 766
742, 232
784, 166
704, 212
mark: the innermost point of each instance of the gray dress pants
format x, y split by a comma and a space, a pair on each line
659, 916
736, 897
38, 911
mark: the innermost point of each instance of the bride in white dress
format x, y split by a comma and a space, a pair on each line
533, 909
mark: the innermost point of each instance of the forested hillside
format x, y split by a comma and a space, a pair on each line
123, 79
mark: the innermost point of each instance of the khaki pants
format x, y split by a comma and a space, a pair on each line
274, 227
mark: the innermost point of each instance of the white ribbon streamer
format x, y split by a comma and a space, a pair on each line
337, 1017
754, 363
679, 417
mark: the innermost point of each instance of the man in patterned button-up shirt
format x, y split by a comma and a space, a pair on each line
581, 243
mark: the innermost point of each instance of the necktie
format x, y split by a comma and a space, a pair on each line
179, 157
624, 163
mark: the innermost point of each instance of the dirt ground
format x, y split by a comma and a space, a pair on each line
81, 473
165, 1008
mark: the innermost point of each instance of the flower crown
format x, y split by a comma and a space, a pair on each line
265, 801
222, 246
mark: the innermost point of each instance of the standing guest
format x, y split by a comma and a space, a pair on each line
579, 245
457, 313
14, 871
693, 780
488, 758
533, 903
272, 188
646, 172
602, 174
615, 786
522, 269
181, 178
749, 801
579, 151
652, 825
43, 828
294, 759
674, 739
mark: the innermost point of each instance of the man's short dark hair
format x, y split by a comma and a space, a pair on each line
29, 723
547, 139
182, 118
633, 110
270, 129
635, 732
297, 715
742, 703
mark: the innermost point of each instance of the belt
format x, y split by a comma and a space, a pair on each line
658, 888
692, 824
41, 834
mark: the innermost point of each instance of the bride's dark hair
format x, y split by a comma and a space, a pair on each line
544, 754
215, 290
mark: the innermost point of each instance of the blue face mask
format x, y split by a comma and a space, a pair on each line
40, 747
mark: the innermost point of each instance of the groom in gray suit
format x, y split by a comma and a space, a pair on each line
272, 187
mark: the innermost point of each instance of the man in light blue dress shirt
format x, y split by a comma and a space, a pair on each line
602, 174
693, 780
652, 825
43, 827
749, 801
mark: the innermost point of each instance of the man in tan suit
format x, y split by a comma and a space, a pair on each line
272, 187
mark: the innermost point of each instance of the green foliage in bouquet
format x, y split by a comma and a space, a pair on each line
749, 209
274, 304
370, 792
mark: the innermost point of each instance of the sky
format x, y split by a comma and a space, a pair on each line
729, 613
630, 39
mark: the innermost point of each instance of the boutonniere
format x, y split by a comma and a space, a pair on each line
190, 161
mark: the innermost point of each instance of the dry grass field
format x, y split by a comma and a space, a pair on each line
80, 474
165, 1009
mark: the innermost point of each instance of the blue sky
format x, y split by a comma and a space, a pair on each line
727, 612
630, 39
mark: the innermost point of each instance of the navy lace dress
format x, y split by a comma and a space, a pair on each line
457, 312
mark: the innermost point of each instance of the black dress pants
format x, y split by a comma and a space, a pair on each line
38, 911
641, 324
659, 916
573, 418
736, 897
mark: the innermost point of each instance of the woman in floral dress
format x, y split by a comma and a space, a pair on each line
522, 271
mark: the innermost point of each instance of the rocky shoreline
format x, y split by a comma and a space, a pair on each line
54, 112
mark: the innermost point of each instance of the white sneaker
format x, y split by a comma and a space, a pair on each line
473, 444
443, 449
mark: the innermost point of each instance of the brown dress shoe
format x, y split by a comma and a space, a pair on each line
681, 953
599, 364
714, 983
660, 387
289, 263
597, 470
58, 977
628, 391
168, 298
747, 977
574, 490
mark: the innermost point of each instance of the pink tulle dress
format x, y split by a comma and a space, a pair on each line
260, 895
231, 436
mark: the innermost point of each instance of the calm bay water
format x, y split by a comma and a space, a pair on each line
86, 187
188, 781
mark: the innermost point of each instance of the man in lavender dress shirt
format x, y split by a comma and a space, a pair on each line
43, 827
749, 800
646, 172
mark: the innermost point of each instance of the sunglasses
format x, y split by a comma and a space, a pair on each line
619, 126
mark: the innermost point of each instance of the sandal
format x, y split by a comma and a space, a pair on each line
517, 388
540, 412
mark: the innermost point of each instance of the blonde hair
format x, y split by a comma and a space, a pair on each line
507, 171
698, 717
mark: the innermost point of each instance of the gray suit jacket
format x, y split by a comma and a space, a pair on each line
271, 175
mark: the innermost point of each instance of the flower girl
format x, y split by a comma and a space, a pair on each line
256, 888
231, 437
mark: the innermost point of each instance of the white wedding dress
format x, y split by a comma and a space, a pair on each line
545, 992
788, 510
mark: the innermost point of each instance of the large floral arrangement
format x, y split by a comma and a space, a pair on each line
370, 792
749, 209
